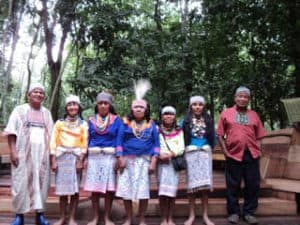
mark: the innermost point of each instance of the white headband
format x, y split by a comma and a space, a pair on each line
72, 98
197, 98
34, 86
168, 109
243, 89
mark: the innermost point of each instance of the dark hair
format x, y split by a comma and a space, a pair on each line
111, 109
131, 117
79, 112
160, 122
209, 131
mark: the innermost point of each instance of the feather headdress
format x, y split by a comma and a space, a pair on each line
140, 89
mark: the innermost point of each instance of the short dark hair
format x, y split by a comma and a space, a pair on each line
160, 123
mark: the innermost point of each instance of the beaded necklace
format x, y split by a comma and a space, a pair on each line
72, 123
198, 127
102, 123
166, 131
138, 129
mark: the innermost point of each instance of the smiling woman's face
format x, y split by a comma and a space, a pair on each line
72, 109
197, 108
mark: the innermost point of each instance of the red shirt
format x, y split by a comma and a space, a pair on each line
241, 131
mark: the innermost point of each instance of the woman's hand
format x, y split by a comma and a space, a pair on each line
53, 164
79, 165
152, 165
121, 164
164, 157
85, 163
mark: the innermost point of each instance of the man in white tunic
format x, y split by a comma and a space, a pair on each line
28, 130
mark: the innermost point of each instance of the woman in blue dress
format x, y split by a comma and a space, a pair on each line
137, 152
199, 138
101, 160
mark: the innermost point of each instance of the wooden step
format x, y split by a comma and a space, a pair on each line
284, 184
217, 207
270, 203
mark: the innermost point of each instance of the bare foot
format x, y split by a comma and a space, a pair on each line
171, 222
93, 222
164, 222
127, 222
109, 222
207, 221
190, 221
61, 221
72, 222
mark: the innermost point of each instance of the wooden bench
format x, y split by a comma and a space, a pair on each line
4, 150
280, 161
218, 153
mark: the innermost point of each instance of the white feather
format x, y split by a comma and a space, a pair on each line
141, 87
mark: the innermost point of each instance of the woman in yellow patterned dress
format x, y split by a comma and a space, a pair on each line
68, 147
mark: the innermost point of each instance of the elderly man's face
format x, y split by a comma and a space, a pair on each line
242, 99
36, 96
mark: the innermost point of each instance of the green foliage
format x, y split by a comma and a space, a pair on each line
208, 50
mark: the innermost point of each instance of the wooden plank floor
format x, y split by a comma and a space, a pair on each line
217, 202
5, 219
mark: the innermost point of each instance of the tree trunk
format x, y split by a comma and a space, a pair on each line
16, 12
294, 18
188, 70
33, 43
54, 66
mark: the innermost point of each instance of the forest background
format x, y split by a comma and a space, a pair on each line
184, 47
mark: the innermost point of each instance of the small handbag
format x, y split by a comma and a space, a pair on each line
178, 162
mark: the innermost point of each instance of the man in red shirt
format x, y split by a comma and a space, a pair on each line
239, 132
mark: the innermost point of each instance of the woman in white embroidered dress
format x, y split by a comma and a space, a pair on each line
171, 145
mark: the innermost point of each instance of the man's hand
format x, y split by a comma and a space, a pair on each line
14, 158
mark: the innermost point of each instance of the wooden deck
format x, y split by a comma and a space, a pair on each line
269, 203
5, 219
277, 202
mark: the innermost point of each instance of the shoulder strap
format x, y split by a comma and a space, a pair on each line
166, 142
